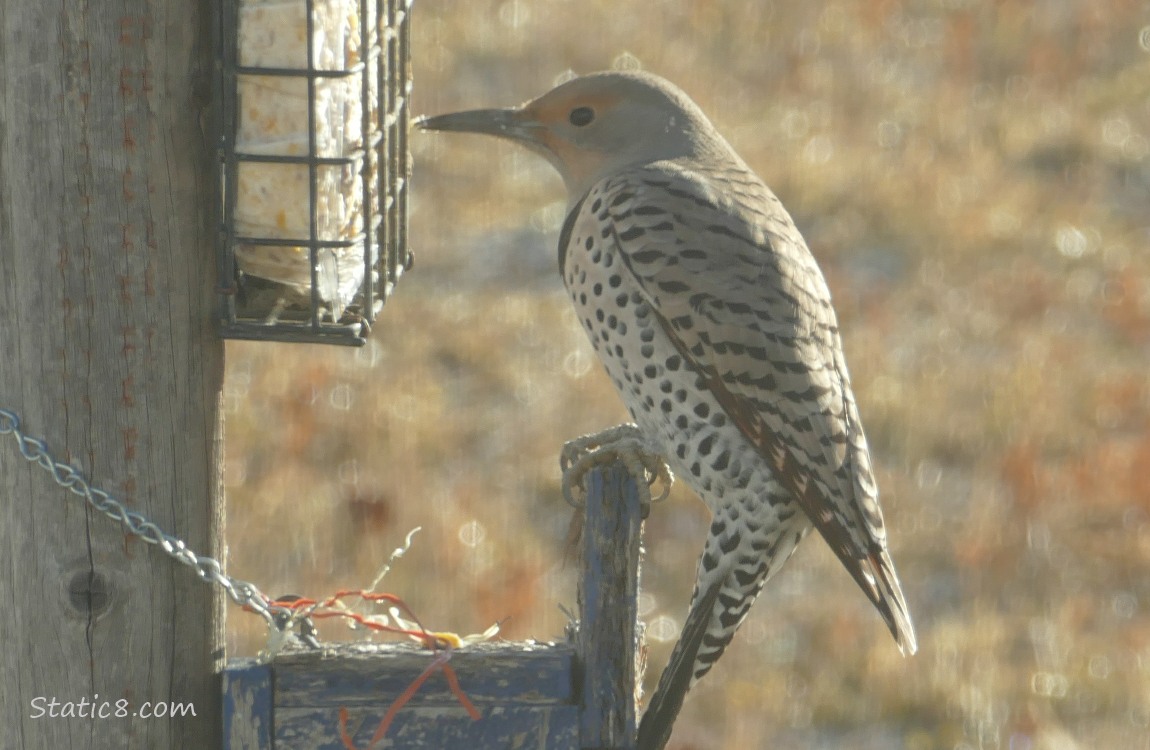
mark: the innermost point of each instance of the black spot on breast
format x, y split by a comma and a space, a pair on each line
706, 444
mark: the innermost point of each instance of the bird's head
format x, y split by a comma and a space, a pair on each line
596, 125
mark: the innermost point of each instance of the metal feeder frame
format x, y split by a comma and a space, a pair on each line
384, 223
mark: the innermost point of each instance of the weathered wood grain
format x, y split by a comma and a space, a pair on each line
108, 351
607, 639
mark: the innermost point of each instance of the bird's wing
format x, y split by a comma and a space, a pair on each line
733, 284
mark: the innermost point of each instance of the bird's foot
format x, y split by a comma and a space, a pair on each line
625, 443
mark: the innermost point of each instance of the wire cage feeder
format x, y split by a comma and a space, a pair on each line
314, 161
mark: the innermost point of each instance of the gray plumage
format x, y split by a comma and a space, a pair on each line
715, 324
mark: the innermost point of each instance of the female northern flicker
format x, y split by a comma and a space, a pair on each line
715, 324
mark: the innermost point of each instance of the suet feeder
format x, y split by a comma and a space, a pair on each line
313, 103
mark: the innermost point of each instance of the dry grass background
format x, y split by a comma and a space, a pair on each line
975, 181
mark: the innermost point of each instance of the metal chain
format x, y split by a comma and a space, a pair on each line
208, 569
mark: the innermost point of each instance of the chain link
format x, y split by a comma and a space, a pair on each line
208, 569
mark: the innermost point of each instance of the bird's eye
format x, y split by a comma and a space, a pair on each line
581, 116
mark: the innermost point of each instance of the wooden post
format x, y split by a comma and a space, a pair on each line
108, 351
607, 640
558, 696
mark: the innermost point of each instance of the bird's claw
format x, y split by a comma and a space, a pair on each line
624, 443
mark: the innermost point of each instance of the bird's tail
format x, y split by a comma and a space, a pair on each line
678, 676
885, 592
735, 565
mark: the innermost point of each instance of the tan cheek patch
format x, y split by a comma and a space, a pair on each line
553, 116
556, 112
579, 163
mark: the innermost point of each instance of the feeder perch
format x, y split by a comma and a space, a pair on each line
313, 157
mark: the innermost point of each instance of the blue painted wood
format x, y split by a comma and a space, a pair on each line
247, 706
490, 674
523, 691
441, 728
530, 695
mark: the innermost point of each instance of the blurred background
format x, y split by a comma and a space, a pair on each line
974, 179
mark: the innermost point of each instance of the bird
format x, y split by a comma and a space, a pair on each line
715, 324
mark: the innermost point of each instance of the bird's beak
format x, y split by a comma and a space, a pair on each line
511, 123
519, 124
